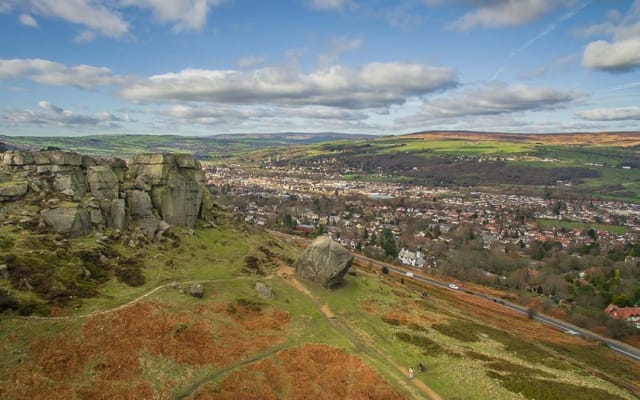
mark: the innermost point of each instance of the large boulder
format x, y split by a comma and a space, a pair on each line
324, 261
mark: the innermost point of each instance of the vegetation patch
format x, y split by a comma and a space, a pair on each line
545, 389
459, 330
307, 372
512, 368
107, 350
428, 346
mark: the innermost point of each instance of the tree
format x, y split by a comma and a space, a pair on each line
388, 243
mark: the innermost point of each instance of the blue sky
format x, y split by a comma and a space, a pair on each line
202, 67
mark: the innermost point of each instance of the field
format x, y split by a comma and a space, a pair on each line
156, 341
577, 225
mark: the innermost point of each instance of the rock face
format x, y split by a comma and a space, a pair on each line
324, 261
80, 193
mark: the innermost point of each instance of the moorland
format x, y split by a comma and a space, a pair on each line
130, 328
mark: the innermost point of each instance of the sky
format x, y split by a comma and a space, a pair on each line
206, 67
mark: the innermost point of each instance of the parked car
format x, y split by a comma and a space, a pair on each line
453, 286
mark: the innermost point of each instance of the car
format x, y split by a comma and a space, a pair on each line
453, 286
409, 274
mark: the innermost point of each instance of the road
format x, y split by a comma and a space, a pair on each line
621, 348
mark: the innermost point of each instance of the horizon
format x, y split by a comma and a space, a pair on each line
224, 67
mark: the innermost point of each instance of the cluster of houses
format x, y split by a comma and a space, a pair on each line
497, 218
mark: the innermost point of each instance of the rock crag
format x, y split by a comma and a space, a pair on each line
75, 194
324, 261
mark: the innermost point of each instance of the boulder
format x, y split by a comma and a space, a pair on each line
263, 290
196, 290
14, 189
324, 261
71, 220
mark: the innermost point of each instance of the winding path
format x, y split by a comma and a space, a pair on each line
363, 343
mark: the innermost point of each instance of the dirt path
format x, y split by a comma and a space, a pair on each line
363, 343
191, 389
131, 302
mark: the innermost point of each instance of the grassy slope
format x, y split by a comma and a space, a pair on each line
466, 357
612, 182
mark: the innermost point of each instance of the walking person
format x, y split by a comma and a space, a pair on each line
410, 373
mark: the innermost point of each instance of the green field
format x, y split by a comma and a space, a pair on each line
552, 223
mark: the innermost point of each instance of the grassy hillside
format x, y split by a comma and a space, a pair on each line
156, 341
573, 165
203, 148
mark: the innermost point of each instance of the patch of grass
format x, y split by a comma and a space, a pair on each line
428, 346
600, 358
579, 225
545, 389
512, 368
460, 330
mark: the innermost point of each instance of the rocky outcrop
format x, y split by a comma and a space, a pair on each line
80, 193
69, 219
324, 261
175, 183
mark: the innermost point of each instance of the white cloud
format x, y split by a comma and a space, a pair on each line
28, 20
186, 14
494, 99
498, 13
56, 74
375, 85
50, 114
93, 16
611, 114
216, 115
621, 52
250, 61
103, 18
622, 55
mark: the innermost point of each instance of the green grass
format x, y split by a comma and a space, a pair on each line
464, 357
452, 147
552, 223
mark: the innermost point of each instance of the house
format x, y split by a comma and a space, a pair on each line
631, 314
410, 258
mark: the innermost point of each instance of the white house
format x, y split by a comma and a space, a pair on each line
410, 258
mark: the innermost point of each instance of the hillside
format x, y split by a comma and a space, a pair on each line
622, 139
584, 166
156, 341
115, 312
201, 147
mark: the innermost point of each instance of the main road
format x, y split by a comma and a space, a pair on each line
624, 349
619, 347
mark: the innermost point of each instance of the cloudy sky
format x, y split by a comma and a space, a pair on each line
200, 67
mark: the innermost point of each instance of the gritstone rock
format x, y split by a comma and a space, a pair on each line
263, 290
196, 290
325, 262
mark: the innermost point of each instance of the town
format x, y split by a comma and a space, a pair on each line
567, 250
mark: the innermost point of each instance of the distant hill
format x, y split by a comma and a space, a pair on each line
295, 137
202, 147
622, 139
